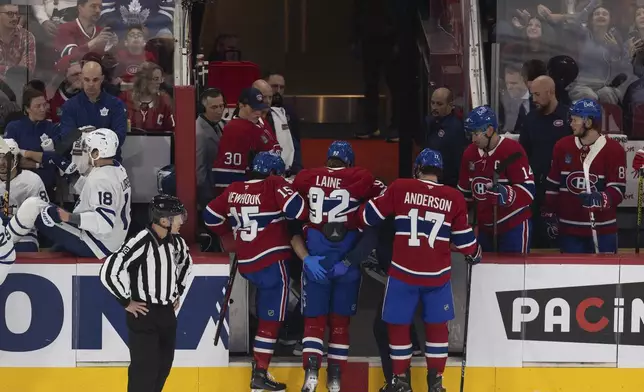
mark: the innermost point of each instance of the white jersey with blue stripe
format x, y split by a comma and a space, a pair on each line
7, 254
24, 185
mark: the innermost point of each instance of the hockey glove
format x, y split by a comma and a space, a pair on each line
595, 200
552, 224
65, 165
476, 257
340, 268
502, 195
638, 161
50, 216
313, 268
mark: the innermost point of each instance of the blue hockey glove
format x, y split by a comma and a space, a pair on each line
50, 216
65, 165
552, 224
476, 257
595, 200
313, 268
503, 195
340, 268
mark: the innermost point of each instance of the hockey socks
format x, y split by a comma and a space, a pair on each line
264, 343
436, 346
313, 341
339, 340
400, 349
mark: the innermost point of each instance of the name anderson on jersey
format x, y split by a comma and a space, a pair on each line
429, 201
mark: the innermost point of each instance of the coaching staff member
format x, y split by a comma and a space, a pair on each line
148, 276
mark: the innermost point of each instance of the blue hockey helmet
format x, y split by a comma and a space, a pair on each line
480, 119
587, 109
267, 163
429, 158
167, 180
341, 150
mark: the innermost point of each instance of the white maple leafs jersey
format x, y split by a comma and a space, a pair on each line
104, 207
7, 254
24, 185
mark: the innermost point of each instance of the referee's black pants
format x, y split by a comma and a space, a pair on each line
152, 341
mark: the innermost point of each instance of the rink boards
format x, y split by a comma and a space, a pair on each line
538, 323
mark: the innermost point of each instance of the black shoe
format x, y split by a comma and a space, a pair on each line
311, 375
261, 381
400, 384
434, 382
368, 134
333, 378
392, 136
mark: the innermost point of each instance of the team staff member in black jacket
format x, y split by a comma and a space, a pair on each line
539, 133
147, 276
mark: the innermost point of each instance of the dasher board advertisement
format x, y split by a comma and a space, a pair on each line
56, 313
557, 309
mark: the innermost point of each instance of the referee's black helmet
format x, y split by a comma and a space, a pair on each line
166, 206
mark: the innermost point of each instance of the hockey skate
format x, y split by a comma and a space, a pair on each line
434, 382
400, 384
311, 375
261, 381
333, 378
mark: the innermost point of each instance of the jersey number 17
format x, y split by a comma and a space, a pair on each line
434, 218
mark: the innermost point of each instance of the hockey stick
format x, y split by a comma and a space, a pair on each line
594, 150
224, 304
467, 316
640, 197
495, 180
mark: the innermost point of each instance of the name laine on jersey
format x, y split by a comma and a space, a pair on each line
244, 198
328, 182
429, 201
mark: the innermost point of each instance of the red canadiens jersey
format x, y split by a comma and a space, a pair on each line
72, 39
475, 176
240, 141
158, 116
428, 218
256, 211
335, 194
566, 182
56, 104
129, 63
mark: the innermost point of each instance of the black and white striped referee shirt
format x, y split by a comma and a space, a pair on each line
148, 269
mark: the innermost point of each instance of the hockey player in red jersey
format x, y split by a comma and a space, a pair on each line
512, 195
429, 217
586, 183
243, 137
256, 210
330, 286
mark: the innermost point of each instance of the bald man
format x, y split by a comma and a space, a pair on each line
94, 107
539, 133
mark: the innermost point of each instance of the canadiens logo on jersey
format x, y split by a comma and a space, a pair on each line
576, 182
480, 186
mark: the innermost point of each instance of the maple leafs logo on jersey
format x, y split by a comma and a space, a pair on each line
480, 187
576, 182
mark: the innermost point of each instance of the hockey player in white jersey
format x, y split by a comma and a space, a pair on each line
99, 223
24, 184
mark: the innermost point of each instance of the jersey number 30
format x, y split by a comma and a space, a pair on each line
436, 220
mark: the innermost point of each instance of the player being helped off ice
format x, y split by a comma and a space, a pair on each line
586, 183
429, 217
256, 210
100, 220
496, 176
331, 255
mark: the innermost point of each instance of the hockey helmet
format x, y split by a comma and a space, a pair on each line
166, 206
429, 158
480, 119
587, 109
10, 146
167, 180
104, 140
341, 150
267, 163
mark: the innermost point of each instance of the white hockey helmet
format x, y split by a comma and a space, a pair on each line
11, 146
104, 140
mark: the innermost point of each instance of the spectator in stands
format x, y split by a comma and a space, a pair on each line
156, 15
83, 35
444, 132
278, 84
94, 107
515, 96
148, 107
133, 55
31, 133
227, 48
530, 70
634, 96
51, 13
210, 125
542, 128
17, 45
535, 43
71, 86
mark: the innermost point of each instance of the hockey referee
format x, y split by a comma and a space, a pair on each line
147, 276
